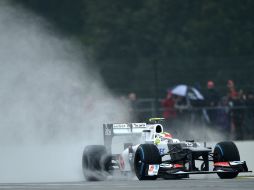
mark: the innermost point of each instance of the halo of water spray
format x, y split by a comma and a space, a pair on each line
51, 103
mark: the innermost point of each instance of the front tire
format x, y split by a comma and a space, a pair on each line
96, 163
145, 155
225, 152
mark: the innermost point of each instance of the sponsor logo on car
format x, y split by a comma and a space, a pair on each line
139, 125
153, 169
108, 131
120, 126
162, 151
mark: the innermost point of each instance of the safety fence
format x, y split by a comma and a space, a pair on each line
234, 122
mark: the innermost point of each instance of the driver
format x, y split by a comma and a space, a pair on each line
162, 137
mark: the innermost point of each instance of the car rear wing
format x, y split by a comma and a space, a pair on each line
118, 129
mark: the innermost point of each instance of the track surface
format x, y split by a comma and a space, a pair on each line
202, 183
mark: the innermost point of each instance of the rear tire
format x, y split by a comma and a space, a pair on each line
96, 163
224, 152
146, 154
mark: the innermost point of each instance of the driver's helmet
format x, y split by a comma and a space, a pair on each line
162, 137
165, 135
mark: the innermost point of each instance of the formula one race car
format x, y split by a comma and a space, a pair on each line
158, 154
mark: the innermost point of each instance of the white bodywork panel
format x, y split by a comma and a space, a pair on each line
149, 134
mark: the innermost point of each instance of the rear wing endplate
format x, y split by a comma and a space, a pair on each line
117, 129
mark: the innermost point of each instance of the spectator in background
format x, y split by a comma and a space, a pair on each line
224, 119
250, 101
132, 99
235, 103
168, 104
250, 114
212, 99
183, 108
232, 93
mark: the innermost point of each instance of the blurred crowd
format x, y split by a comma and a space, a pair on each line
231, 114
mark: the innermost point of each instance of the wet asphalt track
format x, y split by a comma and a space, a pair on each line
197, 183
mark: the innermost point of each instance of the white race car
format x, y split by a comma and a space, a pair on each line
158, 154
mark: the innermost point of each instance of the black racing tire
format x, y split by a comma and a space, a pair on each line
96, 163
146, 154
224, 152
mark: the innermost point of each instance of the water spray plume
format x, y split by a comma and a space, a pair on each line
51, 103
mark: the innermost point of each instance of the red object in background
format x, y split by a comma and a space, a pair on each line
232, 91
233, 94
210, 84
169, 107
